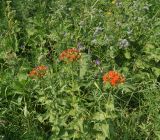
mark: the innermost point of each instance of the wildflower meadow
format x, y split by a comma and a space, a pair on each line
79, 69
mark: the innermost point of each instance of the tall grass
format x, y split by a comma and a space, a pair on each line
71, 100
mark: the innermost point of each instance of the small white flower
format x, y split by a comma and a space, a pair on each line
123, 43
94, 41
97, 31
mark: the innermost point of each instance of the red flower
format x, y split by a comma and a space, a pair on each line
113, 77
71, 55
39, 71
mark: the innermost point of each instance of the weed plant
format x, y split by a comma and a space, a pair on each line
79, 70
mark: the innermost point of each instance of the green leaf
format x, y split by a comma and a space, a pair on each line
2, 55
105, 129
127, 55
22, 76
139, 64
31, 31
84, 64
19, 100
157, 133
110, 105
126, 88
100, 116
100, 137
97, 86
125, 69
25, 111
148, 48
156, 71
107, 85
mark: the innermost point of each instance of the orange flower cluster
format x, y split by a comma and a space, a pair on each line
113, 78
71, 55
39, 72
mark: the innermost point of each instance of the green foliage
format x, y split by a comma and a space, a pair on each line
71, 101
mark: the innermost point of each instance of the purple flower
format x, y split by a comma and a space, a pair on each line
97, 62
